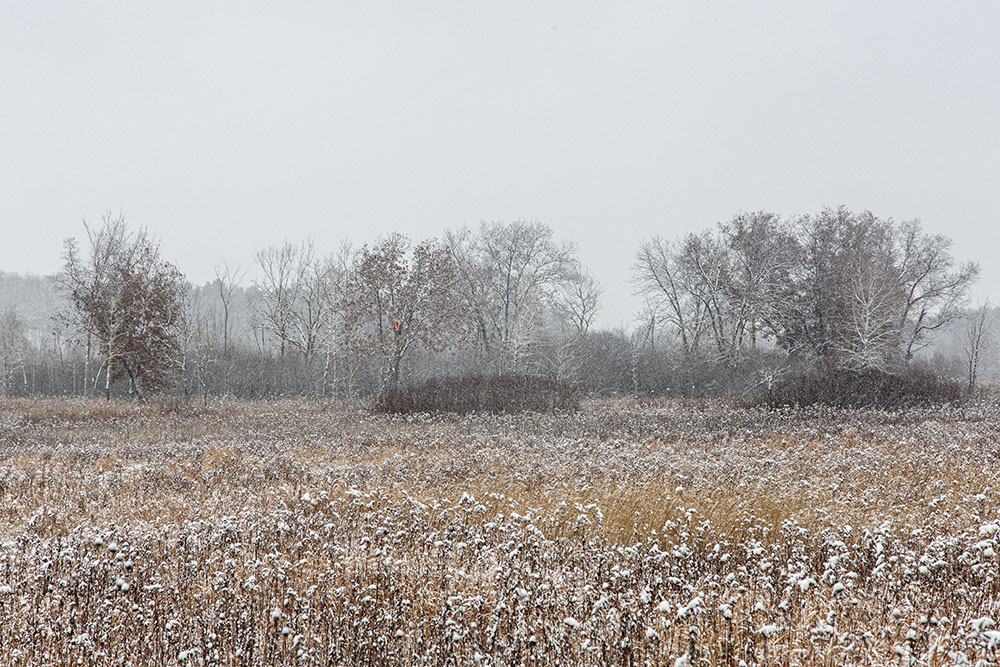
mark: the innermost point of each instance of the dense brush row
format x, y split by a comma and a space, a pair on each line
481, 393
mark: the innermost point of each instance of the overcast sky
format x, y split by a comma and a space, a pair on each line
225, 127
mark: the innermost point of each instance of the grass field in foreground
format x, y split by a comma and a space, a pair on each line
626, 533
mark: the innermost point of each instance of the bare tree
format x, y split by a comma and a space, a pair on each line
475, 278
338, 366
509, 272
810, 307
659, 276
312, 312
194, 350
761, 259
704, 265
642, 339
227, 279
867, 333
976, 336
294, 304
576, 300
934, 287
572, 307
13, 346
279, 288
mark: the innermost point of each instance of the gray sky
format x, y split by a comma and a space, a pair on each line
224, 127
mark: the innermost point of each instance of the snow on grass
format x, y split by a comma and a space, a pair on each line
660, 532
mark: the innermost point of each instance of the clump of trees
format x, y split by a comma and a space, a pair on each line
830, 306
828, 295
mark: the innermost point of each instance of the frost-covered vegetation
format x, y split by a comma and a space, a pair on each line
625, 533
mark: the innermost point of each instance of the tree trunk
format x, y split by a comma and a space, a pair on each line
185, 380
225, 328
634, 368
204, 384
326, 374
86, 367
134, 381
394, 377
973, 369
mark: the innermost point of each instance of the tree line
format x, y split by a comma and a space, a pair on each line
727, 311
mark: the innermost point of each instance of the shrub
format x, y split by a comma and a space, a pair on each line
477, 393
912, 387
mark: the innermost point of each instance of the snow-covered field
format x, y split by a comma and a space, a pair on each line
628, 533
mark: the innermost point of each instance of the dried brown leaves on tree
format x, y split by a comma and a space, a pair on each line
398, 300
128, 300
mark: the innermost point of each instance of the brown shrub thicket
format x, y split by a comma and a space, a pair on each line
477, 393
857, 389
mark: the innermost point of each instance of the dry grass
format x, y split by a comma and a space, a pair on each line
627, 533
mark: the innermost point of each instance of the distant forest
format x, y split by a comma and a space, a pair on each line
751, 304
